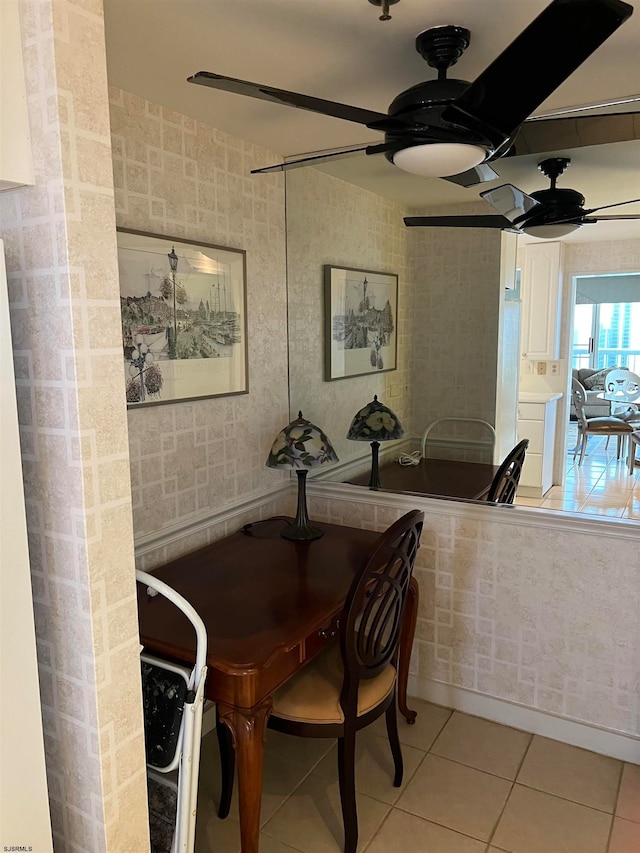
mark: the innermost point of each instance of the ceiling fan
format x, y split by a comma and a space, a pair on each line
550, 213
451, 128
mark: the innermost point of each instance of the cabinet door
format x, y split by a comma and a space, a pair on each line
541, 301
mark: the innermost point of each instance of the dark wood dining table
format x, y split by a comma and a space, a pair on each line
269, 605
438, 477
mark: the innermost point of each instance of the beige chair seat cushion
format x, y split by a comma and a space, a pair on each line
313, 695
606, 426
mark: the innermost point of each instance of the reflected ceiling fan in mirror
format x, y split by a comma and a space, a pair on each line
548, 214
451, 128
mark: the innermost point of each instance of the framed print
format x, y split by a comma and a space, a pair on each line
184, 319
360, 315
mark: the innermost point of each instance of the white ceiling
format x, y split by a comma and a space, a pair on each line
339, 50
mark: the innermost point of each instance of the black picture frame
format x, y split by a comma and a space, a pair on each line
360, 320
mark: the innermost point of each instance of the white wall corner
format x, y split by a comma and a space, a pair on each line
16, 158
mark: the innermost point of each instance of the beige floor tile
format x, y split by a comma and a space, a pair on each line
588, 508
272, 845
609, 505
311, 819
534, 822
406, 833
374, 767
625, 836
216, 836
628, 805
458, 797
555, 492
482, 744
428, 725
567, 504
568, 771
304, 751
280, 777
521, 501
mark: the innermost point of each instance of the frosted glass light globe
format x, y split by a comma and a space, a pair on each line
439, 159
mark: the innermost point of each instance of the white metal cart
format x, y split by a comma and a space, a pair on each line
173, 699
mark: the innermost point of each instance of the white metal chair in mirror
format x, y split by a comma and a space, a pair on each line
437, 423
607, 426
622, 389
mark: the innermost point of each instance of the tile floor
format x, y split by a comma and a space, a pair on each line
602, 485
470, 786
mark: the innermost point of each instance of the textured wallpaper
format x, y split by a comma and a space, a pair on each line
65, 316
331, 222
545, 618
455, 327
177, 177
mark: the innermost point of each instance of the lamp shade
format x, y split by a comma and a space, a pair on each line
301, 445
375, 422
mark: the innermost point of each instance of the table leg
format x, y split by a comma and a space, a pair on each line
248, 728
406, 644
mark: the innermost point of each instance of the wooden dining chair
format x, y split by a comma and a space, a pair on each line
353, 681
505, 482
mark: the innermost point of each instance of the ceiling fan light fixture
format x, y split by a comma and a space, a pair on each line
439, 159
552, 232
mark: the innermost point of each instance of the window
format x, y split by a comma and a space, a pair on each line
606, 333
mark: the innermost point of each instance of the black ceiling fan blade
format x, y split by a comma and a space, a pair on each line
478, 175
317, 157
513, 203
606, 206
620, 216
312, 160
550, 49
461, 222
290, 99
538, 136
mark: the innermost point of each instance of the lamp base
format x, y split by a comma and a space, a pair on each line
374, 480
300, 528
301, 532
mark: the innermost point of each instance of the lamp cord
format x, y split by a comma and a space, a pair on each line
247, 527
410, 458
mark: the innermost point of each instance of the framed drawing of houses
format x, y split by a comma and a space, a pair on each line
360, 316
184, 319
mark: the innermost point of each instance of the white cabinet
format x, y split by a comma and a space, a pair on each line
537, 422
541, 288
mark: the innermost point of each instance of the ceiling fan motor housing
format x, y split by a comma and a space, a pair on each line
556, 205
424, 103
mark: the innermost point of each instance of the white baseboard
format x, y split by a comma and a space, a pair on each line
603, 741
615, 745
